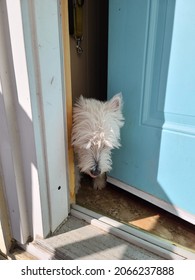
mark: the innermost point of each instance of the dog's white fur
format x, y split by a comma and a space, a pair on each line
95, 132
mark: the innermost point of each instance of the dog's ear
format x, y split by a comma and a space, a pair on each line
116, 102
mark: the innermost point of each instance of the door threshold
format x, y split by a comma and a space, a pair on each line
74, 237
77, 239
135, 236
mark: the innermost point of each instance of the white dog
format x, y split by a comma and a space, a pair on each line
95, 132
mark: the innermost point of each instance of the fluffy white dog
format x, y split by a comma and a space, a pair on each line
95, 132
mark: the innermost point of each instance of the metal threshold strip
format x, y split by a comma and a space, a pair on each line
133, 235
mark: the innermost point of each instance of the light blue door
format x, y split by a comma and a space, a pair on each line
151, 60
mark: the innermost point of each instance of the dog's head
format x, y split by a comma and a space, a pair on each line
96, 131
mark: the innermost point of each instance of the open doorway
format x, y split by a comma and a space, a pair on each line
89, 68
89, 78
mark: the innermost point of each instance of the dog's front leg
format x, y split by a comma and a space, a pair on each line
77, 179
99, 182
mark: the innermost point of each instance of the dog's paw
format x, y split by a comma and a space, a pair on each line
77, 187
99, 183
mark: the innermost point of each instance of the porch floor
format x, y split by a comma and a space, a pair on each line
129, 209
78, 240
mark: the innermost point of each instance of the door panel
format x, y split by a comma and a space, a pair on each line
151, 60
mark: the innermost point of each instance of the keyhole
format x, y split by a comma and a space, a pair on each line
59, 188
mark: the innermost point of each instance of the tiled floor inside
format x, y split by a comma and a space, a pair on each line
129, 209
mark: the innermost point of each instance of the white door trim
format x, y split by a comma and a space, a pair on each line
11, 156
35, 162
43, 42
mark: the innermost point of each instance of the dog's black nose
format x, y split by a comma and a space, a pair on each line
95, 171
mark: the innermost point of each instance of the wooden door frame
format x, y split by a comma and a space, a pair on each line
68, 99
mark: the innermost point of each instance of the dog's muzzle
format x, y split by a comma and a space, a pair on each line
94, 172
